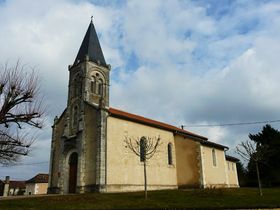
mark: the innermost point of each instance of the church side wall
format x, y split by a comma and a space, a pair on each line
215, 176
188, 163
124, 169
90, 145
232, 174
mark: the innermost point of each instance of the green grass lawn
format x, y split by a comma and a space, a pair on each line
209, 198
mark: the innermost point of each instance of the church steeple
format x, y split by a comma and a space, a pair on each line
90, 75
91, 47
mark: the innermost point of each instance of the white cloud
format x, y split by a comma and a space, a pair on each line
240, 85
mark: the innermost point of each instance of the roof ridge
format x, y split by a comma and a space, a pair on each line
39, 178
140, 118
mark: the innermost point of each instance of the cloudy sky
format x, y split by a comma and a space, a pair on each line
181, 62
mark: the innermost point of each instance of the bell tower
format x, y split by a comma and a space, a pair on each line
80, 132
89, 75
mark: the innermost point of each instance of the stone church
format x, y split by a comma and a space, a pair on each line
88, 152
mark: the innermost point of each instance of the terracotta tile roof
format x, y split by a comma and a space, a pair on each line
230, 158
39, 178
17, 184
154, 123
14, 184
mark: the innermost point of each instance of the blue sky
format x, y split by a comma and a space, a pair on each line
180, 62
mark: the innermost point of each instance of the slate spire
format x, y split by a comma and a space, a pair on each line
91, 47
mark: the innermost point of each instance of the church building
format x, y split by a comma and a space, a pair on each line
88, 153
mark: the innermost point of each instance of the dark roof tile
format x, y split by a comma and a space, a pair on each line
39, 178
230, 158
16, 184
213, 144
91, 47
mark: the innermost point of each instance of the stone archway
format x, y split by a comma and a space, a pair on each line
73, 169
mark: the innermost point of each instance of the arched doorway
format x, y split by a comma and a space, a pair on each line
73, 165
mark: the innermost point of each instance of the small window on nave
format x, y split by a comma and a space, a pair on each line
214, 158
142, 149
169, 153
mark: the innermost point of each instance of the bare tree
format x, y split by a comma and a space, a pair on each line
249, 150
20, 104
145, 148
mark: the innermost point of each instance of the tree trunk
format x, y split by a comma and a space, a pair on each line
145, 180
259, 179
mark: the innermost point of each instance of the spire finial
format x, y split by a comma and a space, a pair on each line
91, 18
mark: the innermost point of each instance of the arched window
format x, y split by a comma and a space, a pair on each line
74, 87
73, 159
93, 85
77, 86
100, 87
77, 90
75, 115
142, 149
214, 157
80, 90
169, 151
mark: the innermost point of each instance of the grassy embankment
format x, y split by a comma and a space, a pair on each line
210, 198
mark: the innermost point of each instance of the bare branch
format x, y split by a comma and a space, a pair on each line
150, 147
132, 146
145, 148
20, 105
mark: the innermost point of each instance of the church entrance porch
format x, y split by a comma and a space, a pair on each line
73, 166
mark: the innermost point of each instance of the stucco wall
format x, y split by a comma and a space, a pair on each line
232, 174
124, 169
187, 159
214, 176
41, 188
36, 188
